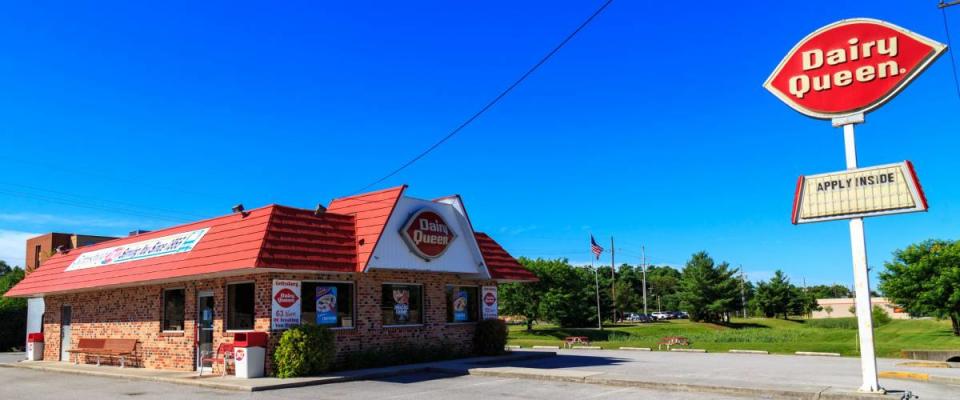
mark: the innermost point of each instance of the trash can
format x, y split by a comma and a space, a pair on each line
35, 346
249, 353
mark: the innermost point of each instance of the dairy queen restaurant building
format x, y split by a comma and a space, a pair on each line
380, 269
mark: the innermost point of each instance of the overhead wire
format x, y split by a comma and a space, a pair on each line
492, 102
953, 59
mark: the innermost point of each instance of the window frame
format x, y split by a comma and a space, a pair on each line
226, 306
423, 305
163, 310
479, 311
353, 305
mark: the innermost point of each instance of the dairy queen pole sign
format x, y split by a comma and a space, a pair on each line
841, 72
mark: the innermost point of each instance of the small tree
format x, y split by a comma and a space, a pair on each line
708, 292
924, 279
828, 309
776, 295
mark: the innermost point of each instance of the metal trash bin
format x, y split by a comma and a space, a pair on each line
35, 346
249, 353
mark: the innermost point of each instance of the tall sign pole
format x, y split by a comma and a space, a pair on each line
643, 266
861, 279
840, 72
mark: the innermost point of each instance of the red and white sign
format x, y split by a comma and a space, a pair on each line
286, 304
427, 234
851, 67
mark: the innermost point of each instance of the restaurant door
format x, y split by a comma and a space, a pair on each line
66, 322
204, 328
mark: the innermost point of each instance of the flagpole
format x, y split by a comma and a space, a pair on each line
613, 279
596, 277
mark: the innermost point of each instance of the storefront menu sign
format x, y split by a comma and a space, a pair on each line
489, 302
864, 192
460, 303
286, 304
427, 234
162, 246
850, 67
326, 305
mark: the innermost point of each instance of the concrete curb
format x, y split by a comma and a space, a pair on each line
636, 348
688, 350
587, 348
749, 352
826, 393
816, 354
920, 377
546, 347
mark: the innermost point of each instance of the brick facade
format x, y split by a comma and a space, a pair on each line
136, 312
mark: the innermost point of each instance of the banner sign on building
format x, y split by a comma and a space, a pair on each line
286, 304
850, 67
427, 234
489, 304
162, 246
864, 192
326, 305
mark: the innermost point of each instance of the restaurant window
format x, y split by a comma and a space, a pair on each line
463, 304
402, 304
240, 306
327, 304
173, 309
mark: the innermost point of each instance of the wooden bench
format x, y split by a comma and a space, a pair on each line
569, 341
673, 341
120, 348
224, 355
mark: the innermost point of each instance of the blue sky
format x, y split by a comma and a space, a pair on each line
651, 126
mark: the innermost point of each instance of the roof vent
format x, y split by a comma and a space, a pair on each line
320, 210
239, 209
138, 232
61, 249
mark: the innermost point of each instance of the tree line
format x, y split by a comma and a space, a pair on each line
708, 291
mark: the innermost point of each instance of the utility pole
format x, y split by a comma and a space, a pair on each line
613, 279
658, 304
743, 294
643, 266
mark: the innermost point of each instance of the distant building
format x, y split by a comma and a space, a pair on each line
840, 308
42, 247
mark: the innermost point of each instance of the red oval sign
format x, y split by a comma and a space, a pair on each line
286, 298
850, 67
427, 234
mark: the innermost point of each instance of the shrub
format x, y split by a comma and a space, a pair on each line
880, 316
304, 350
490, 338
832, 323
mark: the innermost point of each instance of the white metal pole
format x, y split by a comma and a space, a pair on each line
861, 278
643, 266
596, 277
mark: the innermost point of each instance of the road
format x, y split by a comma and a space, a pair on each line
18, 383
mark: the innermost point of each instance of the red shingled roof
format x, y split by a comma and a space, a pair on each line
371, 210
502, 265
268, 237
275, 237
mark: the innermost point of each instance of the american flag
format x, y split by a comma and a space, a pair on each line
595, 248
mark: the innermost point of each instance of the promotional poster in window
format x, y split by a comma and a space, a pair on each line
460, 303
401, 306
326, 305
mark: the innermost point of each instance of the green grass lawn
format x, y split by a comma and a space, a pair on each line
773, 335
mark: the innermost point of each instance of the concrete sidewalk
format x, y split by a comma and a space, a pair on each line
769, 376
267, 383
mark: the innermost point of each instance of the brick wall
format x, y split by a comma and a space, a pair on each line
136, 313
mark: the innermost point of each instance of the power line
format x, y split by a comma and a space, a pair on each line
491, 103
953, 60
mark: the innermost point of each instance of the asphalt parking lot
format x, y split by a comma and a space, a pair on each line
38, 385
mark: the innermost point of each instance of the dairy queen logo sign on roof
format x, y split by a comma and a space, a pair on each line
427, 234
850, 67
